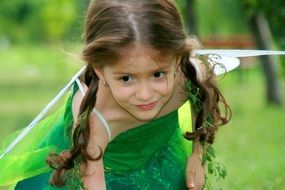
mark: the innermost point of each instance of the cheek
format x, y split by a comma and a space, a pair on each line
121, 93
165, 88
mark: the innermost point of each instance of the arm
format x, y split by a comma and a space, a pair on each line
195, 176
93, 171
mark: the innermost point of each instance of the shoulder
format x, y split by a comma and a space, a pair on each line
98, 134
76, 101
199, 67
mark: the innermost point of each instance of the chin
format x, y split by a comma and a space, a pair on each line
146, 116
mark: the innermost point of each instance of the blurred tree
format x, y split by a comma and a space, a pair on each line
263, 37
187, 9
56, 17
191, 17
36, 20
13, 16
274, 11
226, 17
220, 17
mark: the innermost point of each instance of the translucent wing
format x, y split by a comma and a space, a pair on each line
223, 64
41, 114
225, 60
237, 52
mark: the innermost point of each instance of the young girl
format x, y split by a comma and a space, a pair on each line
124, 123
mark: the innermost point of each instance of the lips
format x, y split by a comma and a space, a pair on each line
148, 106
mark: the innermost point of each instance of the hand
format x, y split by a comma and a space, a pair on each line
195, 176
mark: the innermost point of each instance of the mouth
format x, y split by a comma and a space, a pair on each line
148, 106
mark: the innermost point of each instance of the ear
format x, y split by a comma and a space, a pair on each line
177, 62
99, 72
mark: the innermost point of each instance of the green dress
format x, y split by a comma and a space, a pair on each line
148, 157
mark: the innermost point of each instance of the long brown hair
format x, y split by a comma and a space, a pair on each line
112, 26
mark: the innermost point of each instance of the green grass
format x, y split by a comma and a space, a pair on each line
251, 146
29, 78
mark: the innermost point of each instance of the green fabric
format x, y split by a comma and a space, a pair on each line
150, 156
27, 158
16, 165
132, 149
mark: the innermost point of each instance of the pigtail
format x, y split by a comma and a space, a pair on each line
206, 100
82, 127
64, 162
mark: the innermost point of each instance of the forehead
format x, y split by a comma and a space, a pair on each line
141, 57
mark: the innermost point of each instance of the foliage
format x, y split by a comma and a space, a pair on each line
221, 17
214, 168
36, 20
57, 15
274, 12
230, 17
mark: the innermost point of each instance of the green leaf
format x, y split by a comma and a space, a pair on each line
209, 157
204, 159
223, 173
210, 168
210, 150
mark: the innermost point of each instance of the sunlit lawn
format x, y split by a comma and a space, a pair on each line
252, 146
29, 79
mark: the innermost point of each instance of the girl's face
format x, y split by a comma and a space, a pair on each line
141, 83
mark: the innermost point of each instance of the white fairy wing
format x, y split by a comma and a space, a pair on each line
225, 60
223, 64
237, 52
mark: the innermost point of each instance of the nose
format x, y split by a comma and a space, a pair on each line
144, 92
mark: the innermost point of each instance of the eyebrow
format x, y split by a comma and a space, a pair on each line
126, 71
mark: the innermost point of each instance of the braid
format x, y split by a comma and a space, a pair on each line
65, 161
205, 98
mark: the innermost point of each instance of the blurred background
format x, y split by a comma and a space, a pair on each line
39, 41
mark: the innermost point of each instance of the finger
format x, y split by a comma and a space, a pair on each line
190, 179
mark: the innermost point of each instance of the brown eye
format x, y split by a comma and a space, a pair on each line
158, 74
126, 78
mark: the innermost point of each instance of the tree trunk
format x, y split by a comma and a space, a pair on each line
263, 38
191, 17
